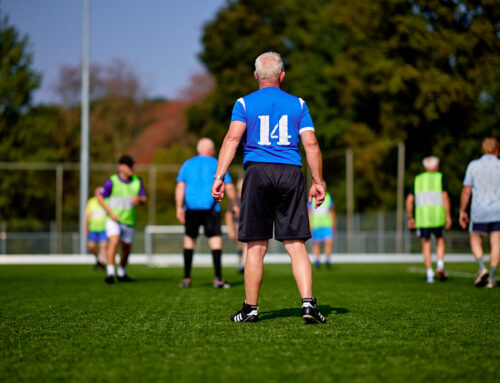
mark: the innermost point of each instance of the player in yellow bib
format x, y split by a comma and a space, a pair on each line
95, 224
323, 227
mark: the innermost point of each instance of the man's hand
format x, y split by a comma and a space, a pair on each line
411, 223
448, 222
318, 193
113, 216
236, 210
181, 215
463, 219
218, 190
134, 200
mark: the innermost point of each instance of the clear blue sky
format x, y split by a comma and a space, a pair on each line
160, 39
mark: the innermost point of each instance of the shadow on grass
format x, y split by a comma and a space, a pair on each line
326, 310
233, 284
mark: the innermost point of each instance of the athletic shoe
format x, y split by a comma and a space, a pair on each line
481, 277
310, 312
186, 283
491, 284
442, 275
125, 278
241, 270
246, 314
221, 284
109, 279
99, 266
430, 279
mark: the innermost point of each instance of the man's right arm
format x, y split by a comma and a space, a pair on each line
102, 202
409, 210
464, 201
180, 189
313, 157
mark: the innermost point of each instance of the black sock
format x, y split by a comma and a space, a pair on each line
188, 261
216, 256
247, 308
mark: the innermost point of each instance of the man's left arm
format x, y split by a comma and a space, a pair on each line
226, 155
231, 193
446, 203
142, 198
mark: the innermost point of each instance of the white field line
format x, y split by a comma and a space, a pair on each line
421, 270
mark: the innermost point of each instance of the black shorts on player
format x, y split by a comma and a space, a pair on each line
209, 219
426, 232
273, 194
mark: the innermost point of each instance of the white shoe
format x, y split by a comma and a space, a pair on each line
491, 284
481, 277
430, 279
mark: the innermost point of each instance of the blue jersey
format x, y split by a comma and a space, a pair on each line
198, 175
275, 120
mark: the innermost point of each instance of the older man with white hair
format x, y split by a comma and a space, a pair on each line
274, 198
429, 194
195, 207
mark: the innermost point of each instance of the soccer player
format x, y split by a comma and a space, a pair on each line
195, 207
482, 181
232, 228
95, 224
323, 225
432, 214
271, 123
124, 191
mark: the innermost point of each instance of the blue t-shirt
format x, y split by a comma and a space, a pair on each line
275, 120
198, 175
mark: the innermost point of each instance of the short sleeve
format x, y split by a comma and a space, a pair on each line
142, 191
305, 120
88, 208
444, 184
106, 188
182, 176
468, 176
239, 111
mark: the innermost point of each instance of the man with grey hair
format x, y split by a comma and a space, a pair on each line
271, 123
432, 214
482, 181
196, 207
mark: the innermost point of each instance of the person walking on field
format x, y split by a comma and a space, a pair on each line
123, 191
195, 207
482, 181
271, 123
323, 225
432, 214
95, 224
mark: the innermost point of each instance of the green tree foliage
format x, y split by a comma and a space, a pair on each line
421, 71
17, 81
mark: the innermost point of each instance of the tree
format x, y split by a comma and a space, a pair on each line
422, 71
17, 82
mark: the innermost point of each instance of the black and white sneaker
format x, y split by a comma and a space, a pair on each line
310, 312
246, 314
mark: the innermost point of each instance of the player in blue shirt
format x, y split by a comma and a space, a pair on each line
195, 207
271, 123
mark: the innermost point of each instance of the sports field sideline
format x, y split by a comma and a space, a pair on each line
62, 323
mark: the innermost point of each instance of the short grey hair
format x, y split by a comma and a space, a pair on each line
430, 162
269, 66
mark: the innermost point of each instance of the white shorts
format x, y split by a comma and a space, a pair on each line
125, 232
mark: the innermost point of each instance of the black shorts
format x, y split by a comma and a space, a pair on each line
485, 228
210, 220
426, 232
273, 194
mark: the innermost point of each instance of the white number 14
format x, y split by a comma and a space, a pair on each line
281, 126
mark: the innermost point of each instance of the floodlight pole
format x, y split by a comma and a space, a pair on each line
84, 145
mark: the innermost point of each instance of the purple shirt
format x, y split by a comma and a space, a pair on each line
108, 186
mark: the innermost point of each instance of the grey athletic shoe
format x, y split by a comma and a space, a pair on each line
481, 277
491, 284
310, 312
221, 284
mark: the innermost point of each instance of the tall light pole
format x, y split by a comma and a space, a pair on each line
84, 145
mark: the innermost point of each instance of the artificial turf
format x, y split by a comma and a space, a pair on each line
62, 323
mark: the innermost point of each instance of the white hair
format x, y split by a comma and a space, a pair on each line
205, 146
430, 162
269, 66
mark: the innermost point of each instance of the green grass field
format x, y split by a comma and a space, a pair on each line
62, 323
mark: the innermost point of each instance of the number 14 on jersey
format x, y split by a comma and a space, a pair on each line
281, 126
